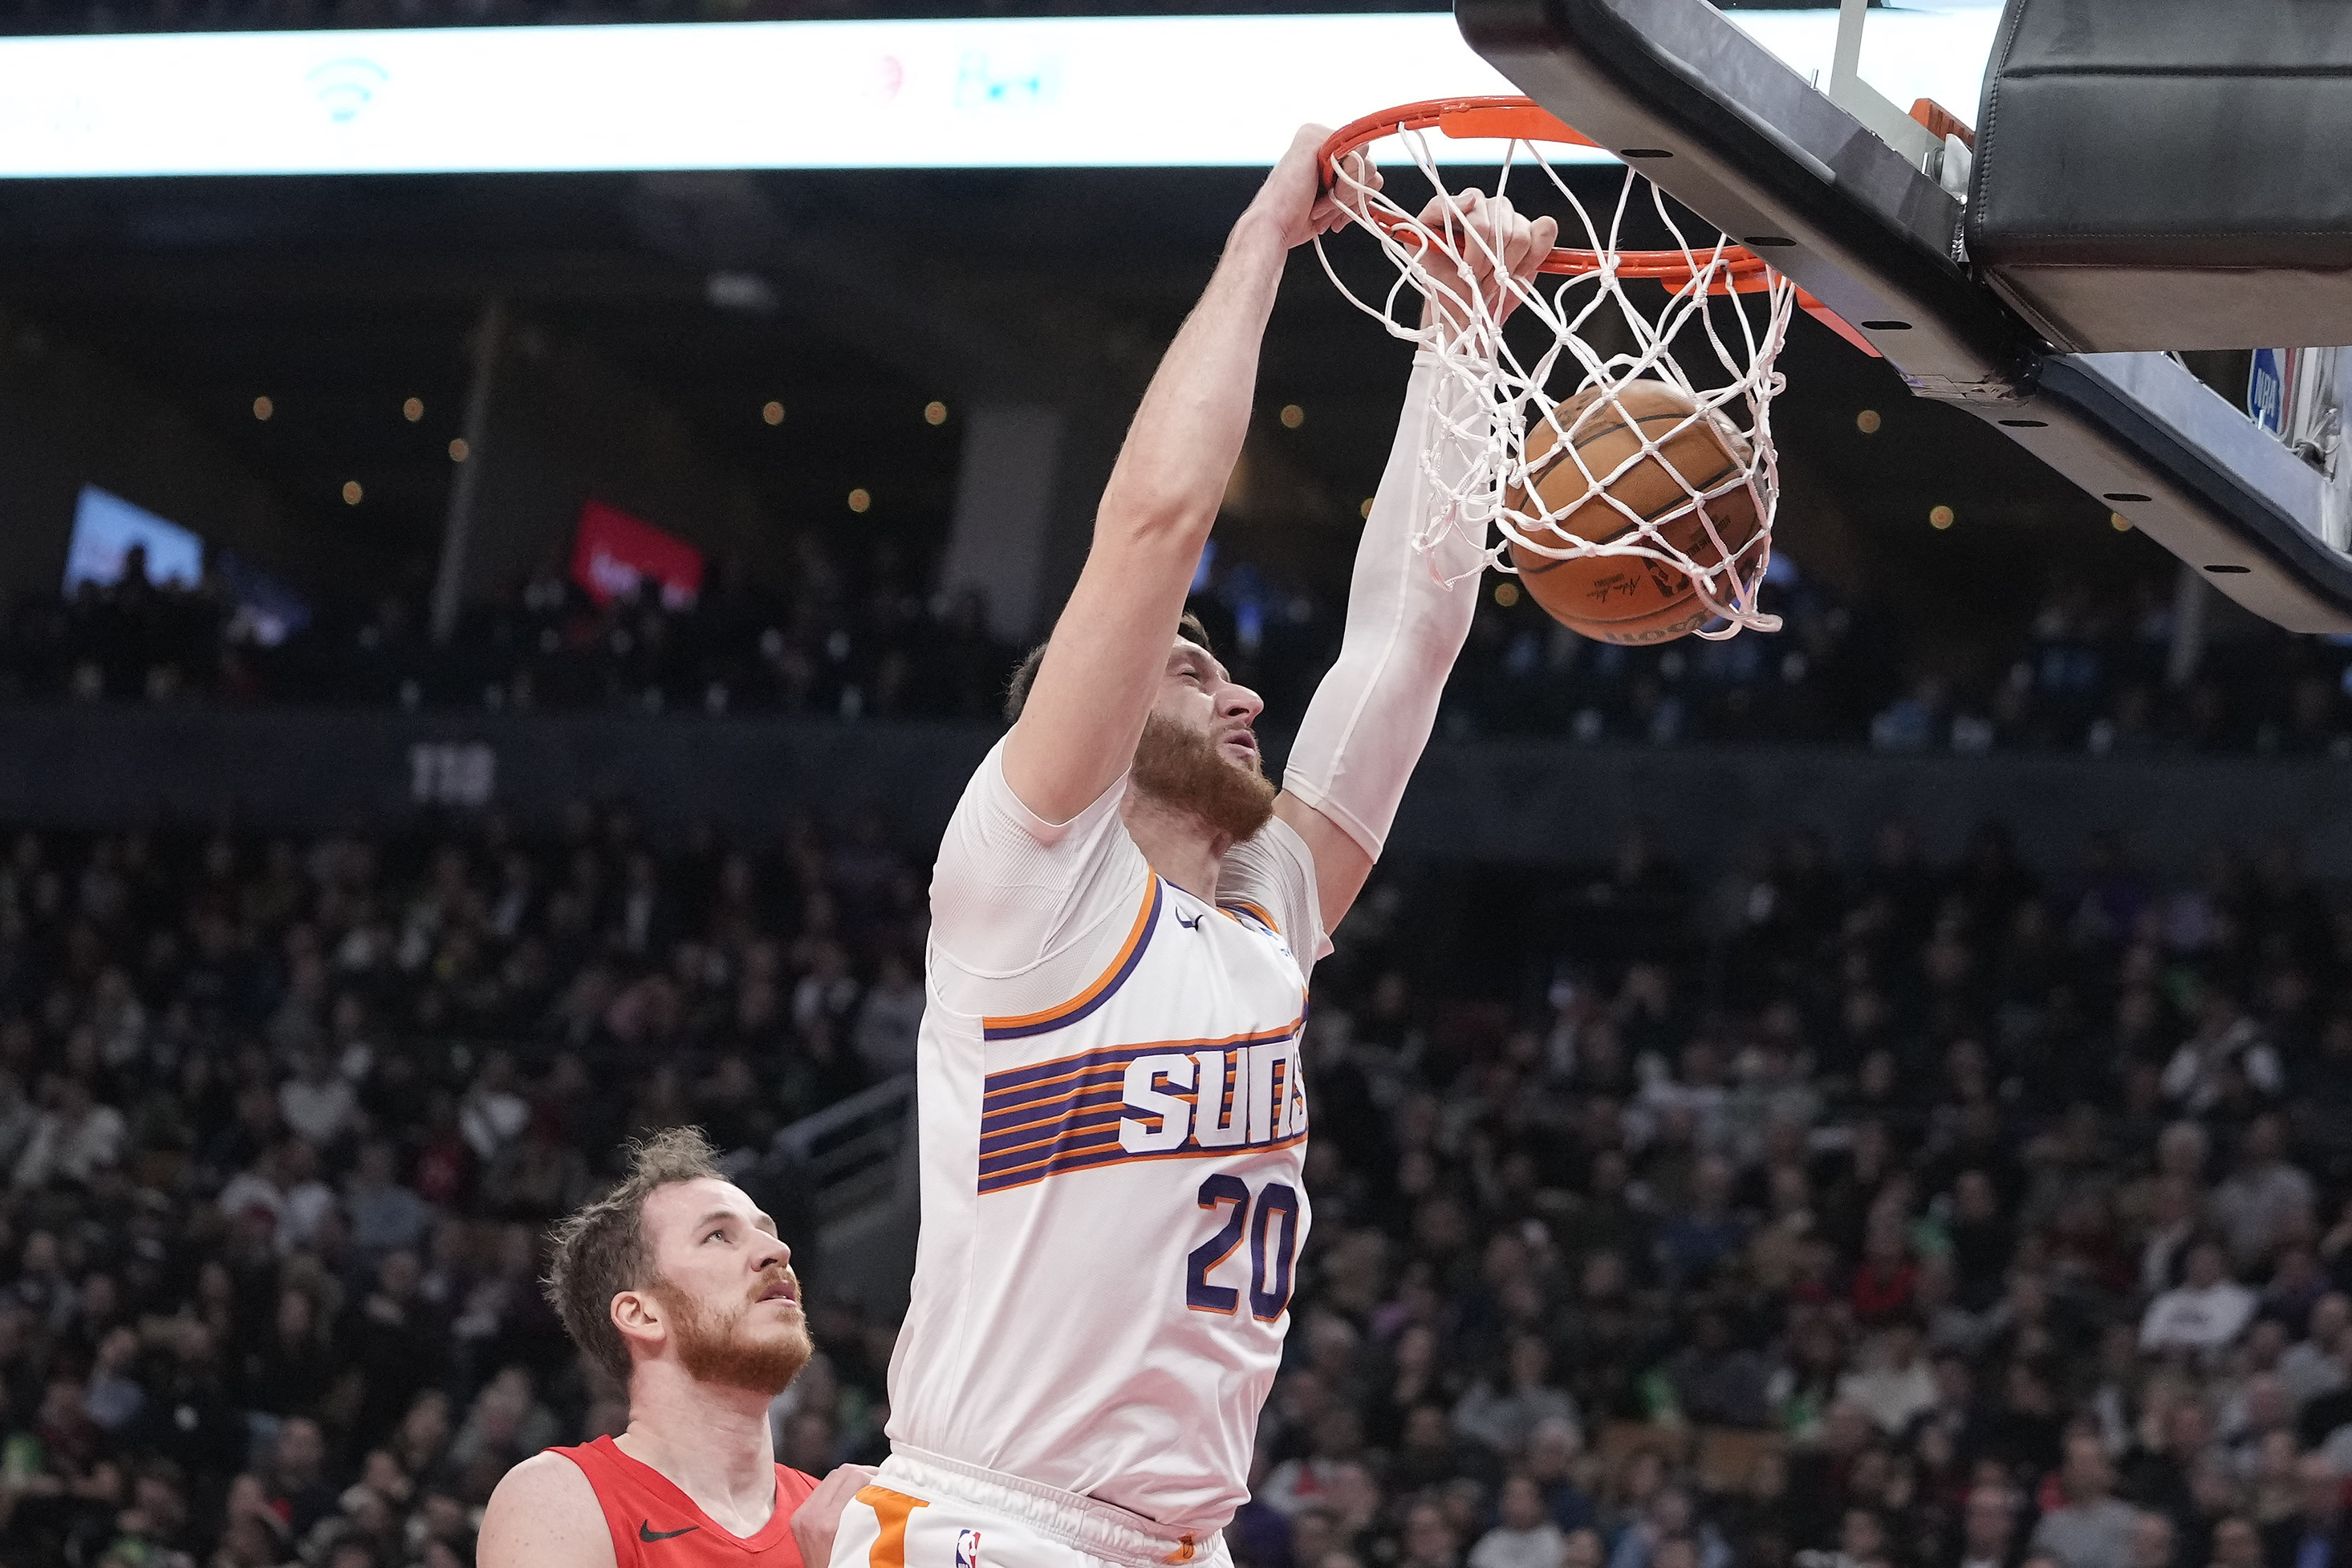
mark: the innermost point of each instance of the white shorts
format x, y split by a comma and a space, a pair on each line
924, 1511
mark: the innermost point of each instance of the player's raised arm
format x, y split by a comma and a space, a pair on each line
1109, 649
1408, 611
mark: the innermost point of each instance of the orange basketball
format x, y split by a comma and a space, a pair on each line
1631, 598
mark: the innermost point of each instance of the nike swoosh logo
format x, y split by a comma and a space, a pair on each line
1192, 924
646, 1531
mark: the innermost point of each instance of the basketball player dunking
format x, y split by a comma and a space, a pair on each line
1124, 915
676, 1283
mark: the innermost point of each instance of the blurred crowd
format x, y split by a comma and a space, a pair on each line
2093, 672
857, 637
1888, 1215
1878, 1216
281, 1125
844, 643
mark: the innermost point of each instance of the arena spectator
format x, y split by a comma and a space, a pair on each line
2090, 1529
2261, 1202
1988, 1529
2313, 1365
1524, 1535
384, 1216
316, 1103
74, 1139
1503, 1413
1894, 1385
888, 1018
2317, 1534
2237, 1543
2206, 1311
2155, 1542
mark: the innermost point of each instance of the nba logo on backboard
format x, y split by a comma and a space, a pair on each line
967, 1549
2266, 390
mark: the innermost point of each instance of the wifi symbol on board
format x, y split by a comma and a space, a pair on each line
345, 87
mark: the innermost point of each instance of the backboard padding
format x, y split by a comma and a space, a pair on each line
2168, 175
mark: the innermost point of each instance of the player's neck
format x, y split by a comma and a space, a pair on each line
711, 1442
1176, 842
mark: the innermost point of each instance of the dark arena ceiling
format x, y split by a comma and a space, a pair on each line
856, 298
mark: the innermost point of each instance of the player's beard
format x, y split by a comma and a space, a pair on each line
1186, 769
724, 1348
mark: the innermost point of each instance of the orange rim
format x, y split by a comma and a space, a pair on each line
1501, 119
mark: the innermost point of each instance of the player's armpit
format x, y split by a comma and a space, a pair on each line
544, 1514
818, 1519
1340, 863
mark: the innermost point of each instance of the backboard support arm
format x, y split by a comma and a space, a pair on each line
1866, 104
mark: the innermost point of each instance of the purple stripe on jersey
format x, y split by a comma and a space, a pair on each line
1059, 1162
1064, 1020
1072, 1075
1068, 1141
1045, 1078
1066, 1076
1026, 1108
1004, 1131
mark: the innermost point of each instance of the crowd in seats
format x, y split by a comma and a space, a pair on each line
282, 1125
842, 645
857, 639
1877, 1216
2090, 673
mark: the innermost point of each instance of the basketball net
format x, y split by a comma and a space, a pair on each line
1502, 395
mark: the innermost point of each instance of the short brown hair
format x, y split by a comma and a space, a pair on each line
601, 1250
1025, 674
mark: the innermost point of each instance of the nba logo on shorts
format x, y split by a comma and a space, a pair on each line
967, 1549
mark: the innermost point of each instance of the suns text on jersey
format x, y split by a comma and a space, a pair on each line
1211, 1099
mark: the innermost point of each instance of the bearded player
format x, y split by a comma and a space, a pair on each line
675, 1283
1124, 916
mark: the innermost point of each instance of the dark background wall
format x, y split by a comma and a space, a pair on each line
1494, 801
70, 419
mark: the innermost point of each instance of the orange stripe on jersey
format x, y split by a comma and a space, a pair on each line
1028, 1088
1096, 995
890, 1549
1254, 912
1022, 1081
1054, 1164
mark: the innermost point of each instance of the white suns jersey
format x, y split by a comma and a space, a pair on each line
1114, 1120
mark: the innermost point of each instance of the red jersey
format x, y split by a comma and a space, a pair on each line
655, 1525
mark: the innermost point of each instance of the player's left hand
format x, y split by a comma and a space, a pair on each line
1492, 253
818, 1519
